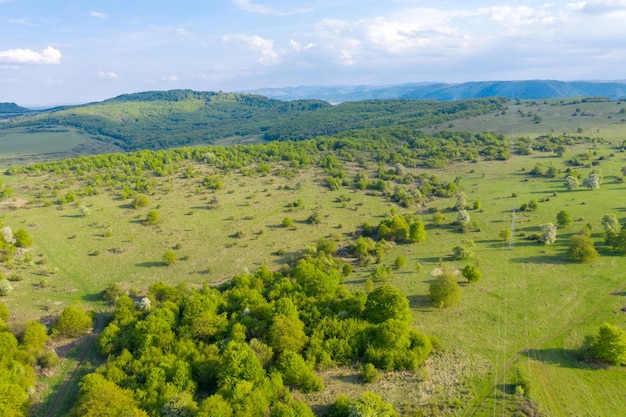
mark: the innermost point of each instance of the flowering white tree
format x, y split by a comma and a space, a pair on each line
548, 233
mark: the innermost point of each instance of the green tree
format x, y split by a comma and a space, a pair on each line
287, 222
505, 235
74, 321
548, 233
399, 263
141, 201
35, 336
387, 302
417, 232
287, 333
370, 404
152, 218
611, 229
102, 398
169, 257
444, 291
438, 218
471, 273
610, 345
563, 218
580, 248
22, 239
5, 287
571, 183
464, 250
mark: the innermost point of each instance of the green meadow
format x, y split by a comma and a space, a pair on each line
529, 314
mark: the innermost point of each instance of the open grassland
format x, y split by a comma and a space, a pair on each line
20, 146
539, 117
531, 310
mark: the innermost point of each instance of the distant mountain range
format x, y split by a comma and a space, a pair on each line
530, 89
12, 108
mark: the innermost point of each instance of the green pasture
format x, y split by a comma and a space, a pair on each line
21, 146
601, 119
531, 310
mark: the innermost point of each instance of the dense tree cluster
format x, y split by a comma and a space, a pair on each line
240, 347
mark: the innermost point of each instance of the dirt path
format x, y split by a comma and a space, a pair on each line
72, 375
488, 390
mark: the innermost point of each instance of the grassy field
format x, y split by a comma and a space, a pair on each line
20, 146
530, 311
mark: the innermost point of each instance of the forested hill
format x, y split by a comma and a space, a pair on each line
167, 119
349, 116
12, 108
524, 90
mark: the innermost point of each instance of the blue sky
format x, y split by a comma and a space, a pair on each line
71, 51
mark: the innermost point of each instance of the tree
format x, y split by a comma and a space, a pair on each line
593, 181
152, 218
22, 239
5, 287
609, 345
438, 218
563, 218
141, 201
581, 248
461, 201
571, 183
445, 291
287, 222
505, 235
102, 398
417, 232
611, 229
464, 250
35, 336
462, 217
548, 233
471, 273
399, 263
169, 257
370, 404
387, 302
287, 333
74, 321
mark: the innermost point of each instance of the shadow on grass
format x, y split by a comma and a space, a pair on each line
150, 264
565, 358
545, 260
72, 216
93, 298
420, 302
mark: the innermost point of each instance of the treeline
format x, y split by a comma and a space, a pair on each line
368, 114
241, 348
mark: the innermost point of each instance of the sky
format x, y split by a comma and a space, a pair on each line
77, 51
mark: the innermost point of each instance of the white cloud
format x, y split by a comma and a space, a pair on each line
49, 55
99, 15
297, 47
184, 34
249, 6
613, 8
107, 75
171, 77
9, 67
265, 47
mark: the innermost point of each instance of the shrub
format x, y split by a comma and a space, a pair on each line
370, 374
169, 257
287, 222
445, 291
471, 273
5, 287
22, 239
140, 201
74, 321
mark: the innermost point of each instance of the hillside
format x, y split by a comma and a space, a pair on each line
12, 108
247, 278
164, 119
527, 89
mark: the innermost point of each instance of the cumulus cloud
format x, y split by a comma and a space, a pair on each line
265, 47
297, 47
599, 7
107, 75
249, 6
171, 77
99, 15
49, 55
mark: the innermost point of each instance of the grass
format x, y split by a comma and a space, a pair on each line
19, 146
531, 309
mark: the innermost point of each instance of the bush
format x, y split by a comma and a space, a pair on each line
22, 239
445, 291
152, 218
48, 359
169, 257
5, 287
471, 273
370, 374
73, 322
140, 201
287, 222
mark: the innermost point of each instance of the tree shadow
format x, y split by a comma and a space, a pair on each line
150, 264
419, 302
565, 358
72, 216
545, 260
95, 297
